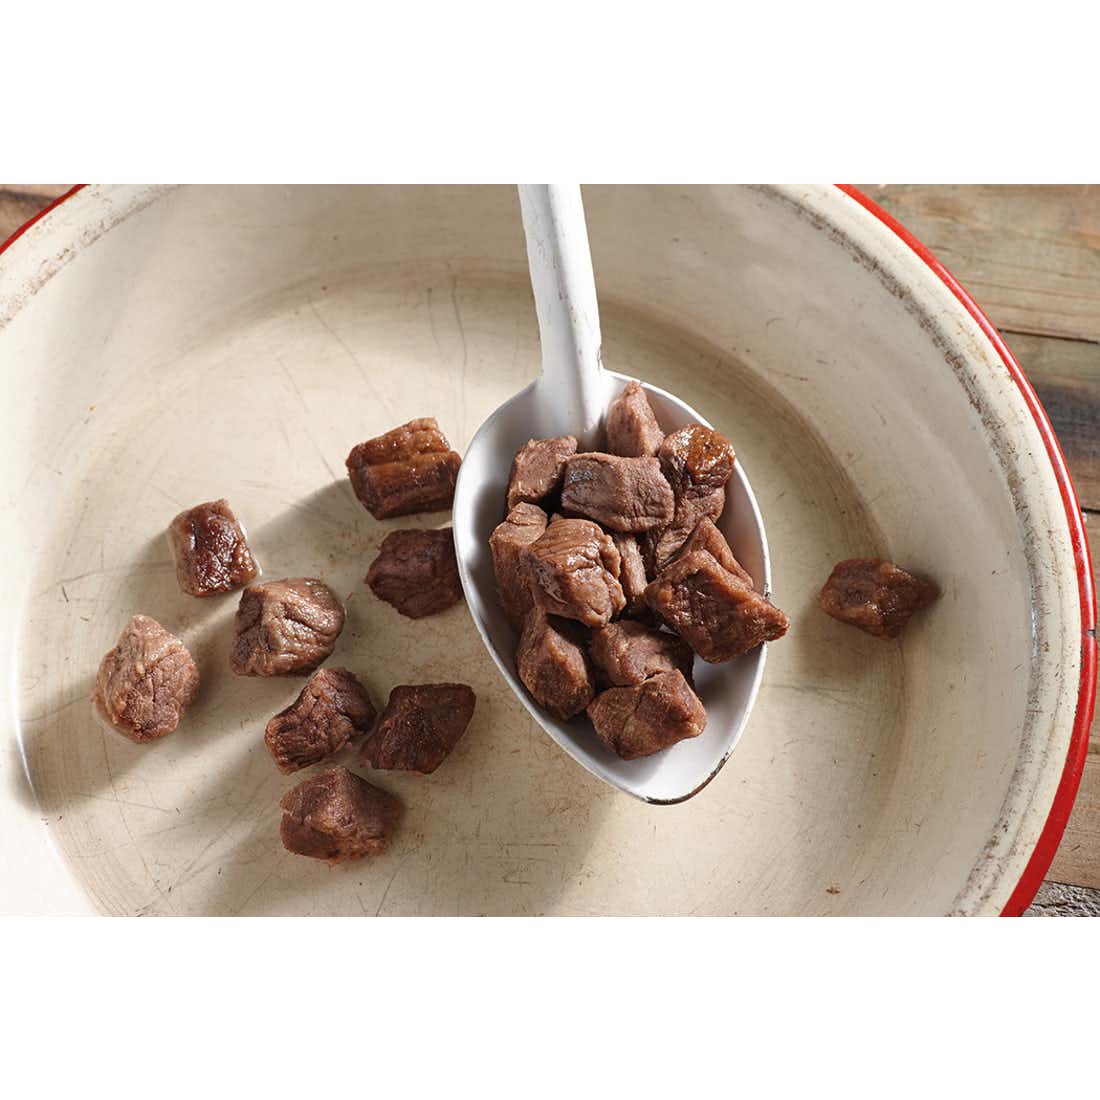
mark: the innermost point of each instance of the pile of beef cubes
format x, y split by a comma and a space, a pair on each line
611, 568
609, 565
290, 627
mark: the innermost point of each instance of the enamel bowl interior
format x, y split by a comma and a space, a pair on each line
167, 346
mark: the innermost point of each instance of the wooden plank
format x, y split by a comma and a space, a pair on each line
21, 201
1029, 255
1058, 900
44, 192
1077, 860
1066, 376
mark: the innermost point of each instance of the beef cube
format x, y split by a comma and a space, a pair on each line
713, 610
632, 575
632, 429
332, 710
538, 468
707, 537
648, 717
337, 816
420, 726
552, 664
661, 546
211, 553
408, 469
423, 483
146, 682
624, 494
508, 543
875, 595
416, 572
627, 653
417, 437
285, 626
574, 569
696, 460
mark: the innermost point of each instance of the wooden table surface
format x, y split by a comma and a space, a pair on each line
1030, 256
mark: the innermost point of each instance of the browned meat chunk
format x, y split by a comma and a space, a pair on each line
632, 574
146, 682
211, 553
661, 546
538, 468
696, 460
875, 595
707, 537
624, 494
416, 572
644, 719
574, 569
628, 653
632, 429
409, 469
420, 726
285, 626
508, 542
337, 816
333, 709
423, 483
417, 437
714, 611
552, 664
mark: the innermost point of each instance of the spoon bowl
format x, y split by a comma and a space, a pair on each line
726, 690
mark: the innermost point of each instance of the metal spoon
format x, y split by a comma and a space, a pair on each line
570, 397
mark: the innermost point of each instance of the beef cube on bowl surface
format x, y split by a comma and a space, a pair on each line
337, 816
649, 717
632, 429
574, 569
627, 653
508, 543
552, 664
423, 483
417, 437
212, 555
332, 710
875, 595
713, 610
420, 726
623, 494
408, 469
538, 468
146, 682
284, 627
416, 572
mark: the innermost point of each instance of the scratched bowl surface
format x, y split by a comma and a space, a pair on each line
162, 347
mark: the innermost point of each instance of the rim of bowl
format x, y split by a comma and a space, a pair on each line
1066, 792
1051, 834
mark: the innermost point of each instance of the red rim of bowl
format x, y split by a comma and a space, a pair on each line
1047, 844
1064, 796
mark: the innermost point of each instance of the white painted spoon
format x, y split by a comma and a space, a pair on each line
570, 397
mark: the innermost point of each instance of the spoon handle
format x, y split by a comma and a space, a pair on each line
572, 381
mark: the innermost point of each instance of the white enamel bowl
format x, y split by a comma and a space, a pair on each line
166, 346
